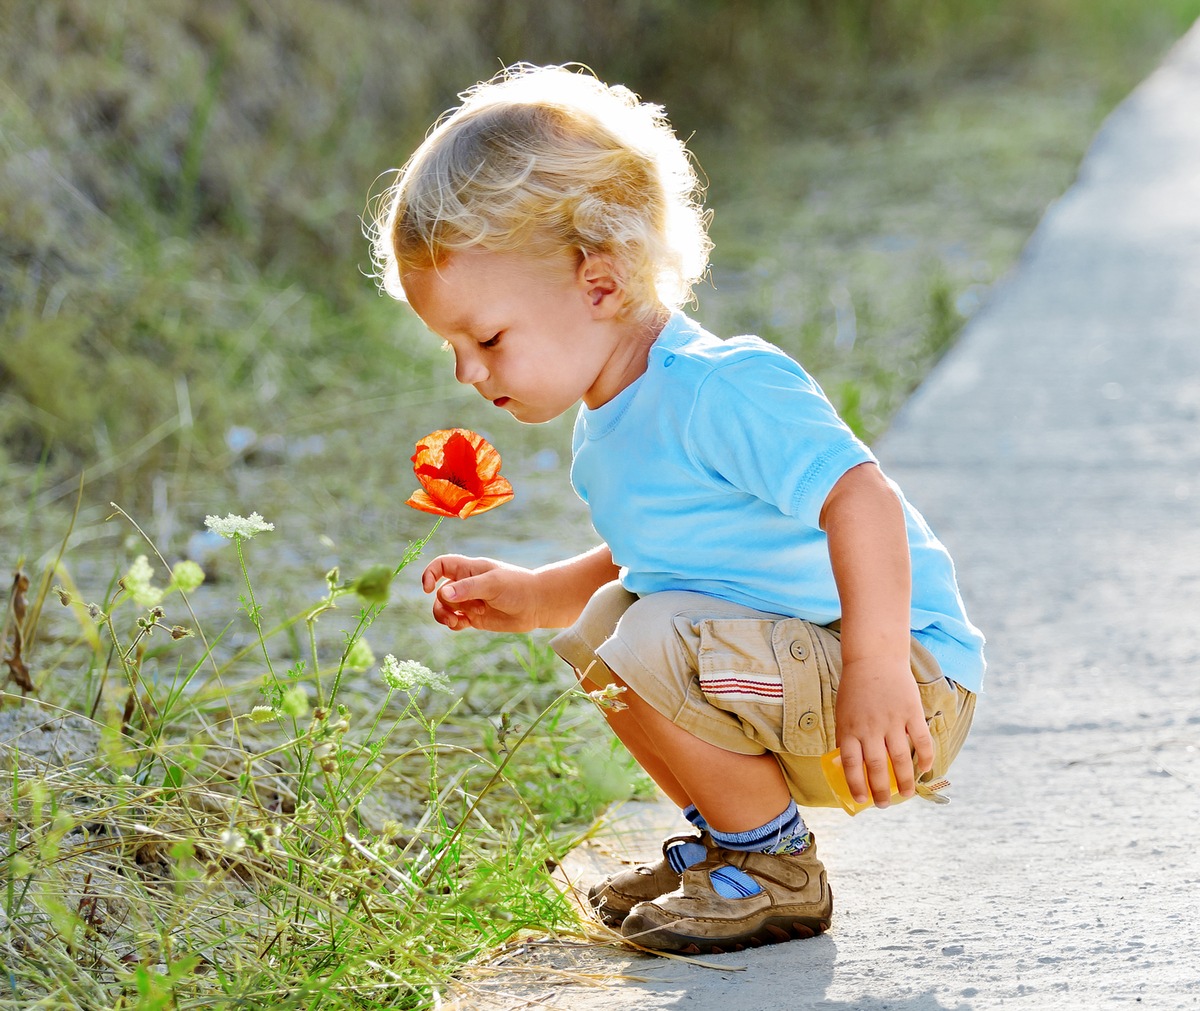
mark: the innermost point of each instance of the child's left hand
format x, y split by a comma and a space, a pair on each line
880, 716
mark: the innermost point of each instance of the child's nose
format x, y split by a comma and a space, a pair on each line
468, 368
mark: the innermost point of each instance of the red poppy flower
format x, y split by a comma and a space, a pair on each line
459, 471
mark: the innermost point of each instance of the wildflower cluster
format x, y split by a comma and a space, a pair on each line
609, 697
238, 526
325, 736
410, 676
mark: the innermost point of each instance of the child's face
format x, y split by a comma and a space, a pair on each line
534, 335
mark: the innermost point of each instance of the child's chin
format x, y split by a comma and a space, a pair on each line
529, 415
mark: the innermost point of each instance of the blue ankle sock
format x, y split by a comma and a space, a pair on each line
682, 855
785, 833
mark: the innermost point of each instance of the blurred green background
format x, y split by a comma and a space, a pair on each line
183, 277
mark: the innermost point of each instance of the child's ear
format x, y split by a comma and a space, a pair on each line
599, 281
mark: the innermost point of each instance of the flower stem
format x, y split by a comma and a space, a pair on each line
252, 611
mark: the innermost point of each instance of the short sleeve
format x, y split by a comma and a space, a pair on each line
763, 425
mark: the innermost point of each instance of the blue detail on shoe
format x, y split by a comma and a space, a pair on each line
730, 883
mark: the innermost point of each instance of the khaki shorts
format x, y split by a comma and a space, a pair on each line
743, 680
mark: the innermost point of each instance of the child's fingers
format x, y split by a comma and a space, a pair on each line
866, 767
479, 593
453, 569
900, 754
880, 782
459, 591
922, 747
852, 767
452, 618
442, 567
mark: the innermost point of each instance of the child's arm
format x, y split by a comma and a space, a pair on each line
879, 708
484, 593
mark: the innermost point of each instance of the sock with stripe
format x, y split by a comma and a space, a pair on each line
682, 855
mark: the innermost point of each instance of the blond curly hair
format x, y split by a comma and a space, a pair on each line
547, 159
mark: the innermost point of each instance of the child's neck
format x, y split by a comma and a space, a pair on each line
627, 364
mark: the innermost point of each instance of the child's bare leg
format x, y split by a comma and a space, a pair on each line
639, 744
692, 771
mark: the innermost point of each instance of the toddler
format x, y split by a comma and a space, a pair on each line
763, 593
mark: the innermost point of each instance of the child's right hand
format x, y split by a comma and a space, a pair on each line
482, 593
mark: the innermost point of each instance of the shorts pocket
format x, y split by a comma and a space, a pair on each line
772, 676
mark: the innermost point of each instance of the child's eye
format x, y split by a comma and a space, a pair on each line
490, 343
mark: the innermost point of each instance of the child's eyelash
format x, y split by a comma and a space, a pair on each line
490, 343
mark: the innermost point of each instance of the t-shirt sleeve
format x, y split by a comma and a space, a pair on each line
763, 425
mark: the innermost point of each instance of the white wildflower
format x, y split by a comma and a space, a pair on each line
408, 675
609, 697
231, 841
186, 576
138, 582
237, 526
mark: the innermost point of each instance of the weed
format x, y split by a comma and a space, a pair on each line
300, 838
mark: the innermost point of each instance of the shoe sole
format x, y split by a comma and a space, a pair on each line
774, 930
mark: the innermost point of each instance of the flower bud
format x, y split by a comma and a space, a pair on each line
373, 585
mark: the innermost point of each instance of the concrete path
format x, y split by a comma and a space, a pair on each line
1056, 450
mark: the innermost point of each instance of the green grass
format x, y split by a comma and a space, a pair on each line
318, 833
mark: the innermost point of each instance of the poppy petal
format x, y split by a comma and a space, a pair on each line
497, 493
460, 463
430, 450
448, 494
419, 500
487, 460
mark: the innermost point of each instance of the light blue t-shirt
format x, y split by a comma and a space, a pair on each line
709, 473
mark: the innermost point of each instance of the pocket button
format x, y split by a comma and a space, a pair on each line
798, 650
809, 721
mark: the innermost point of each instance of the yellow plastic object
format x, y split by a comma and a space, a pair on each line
835, 776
